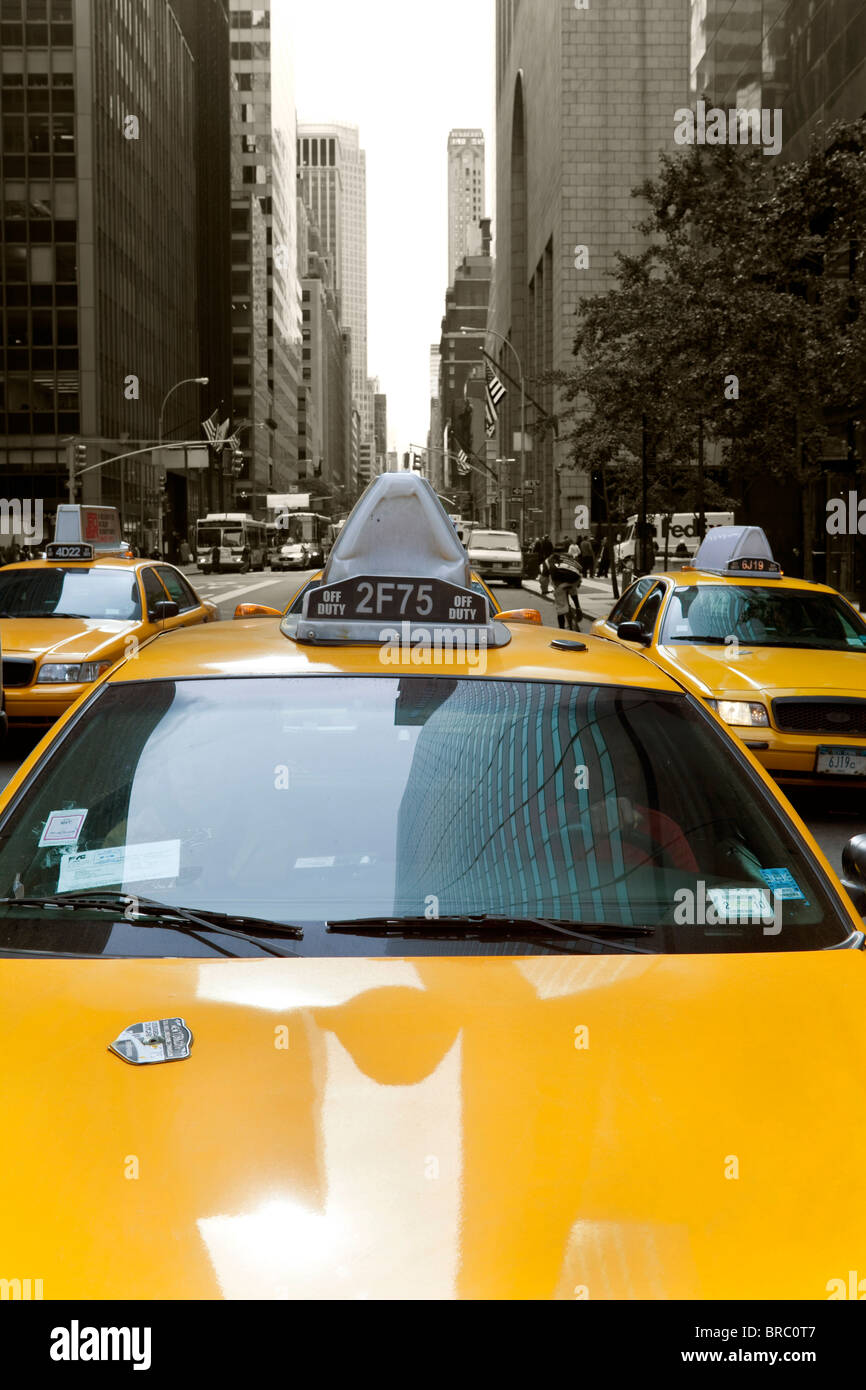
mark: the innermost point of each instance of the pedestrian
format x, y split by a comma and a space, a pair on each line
587, 557
603, 563
566, 583
574, 550
545, 550
185, 555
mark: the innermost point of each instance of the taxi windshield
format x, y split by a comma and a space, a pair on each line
762, 617
425, 800
69, 593
493, 540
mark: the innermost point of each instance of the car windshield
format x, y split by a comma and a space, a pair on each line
493, 540
373, 797
59, 593
762, 617
209, 536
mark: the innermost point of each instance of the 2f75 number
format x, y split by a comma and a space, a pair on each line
373, 598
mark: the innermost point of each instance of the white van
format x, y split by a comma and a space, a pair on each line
495, 554
683, 539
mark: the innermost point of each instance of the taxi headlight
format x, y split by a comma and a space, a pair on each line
746, 714
69, 673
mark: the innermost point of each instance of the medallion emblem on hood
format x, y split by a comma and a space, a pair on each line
158, 1040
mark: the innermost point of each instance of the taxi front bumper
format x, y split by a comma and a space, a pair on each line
794, 757
42, 704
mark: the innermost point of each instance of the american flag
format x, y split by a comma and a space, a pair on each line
492, 396
463, 465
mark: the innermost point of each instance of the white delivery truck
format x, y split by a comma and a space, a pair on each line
683, 540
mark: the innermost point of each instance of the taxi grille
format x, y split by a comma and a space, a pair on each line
820, 716
17, 671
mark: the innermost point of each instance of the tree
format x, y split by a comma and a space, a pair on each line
742, 318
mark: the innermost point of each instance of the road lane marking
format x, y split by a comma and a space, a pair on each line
224, 597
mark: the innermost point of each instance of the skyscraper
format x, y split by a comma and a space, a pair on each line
333, 172
265, 288
584, 104
98, 275
465, 196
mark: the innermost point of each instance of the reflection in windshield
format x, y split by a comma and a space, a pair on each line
57, 593
763, 617
352, 797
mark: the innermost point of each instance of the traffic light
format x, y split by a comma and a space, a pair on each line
237, 460
81, 455
162, 482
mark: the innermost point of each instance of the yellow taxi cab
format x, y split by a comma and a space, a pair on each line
480, 956
782, 660
66, 619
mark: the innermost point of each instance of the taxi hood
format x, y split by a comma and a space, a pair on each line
545, 1127
774, 670
72, 639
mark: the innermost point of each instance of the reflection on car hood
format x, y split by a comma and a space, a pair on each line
64, 638
661, 1127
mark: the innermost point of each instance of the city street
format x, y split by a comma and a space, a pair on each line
833, 816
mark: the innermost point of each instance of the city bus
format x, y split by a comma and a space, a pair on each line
306, 541
230, 541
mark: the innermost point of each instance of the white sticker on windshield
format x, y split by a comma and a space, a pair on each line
326, 862
62, 828
95, 868
742, 904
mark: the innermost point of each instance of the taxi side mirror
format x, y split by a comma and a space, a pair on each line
632, 632
163, 609
854, 871
257, 610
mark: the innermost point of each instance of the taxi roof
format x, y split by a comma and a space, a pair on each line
688, 575
256, 648
98, 562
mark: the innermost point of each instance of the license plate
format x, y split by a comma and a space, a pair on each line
842, 762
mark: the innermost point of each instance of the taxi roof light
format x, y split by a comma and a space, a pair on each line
397, 571
737, 551
398, 526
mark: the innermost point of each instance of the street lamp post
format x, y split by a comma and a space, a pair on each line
508, 343
187, 380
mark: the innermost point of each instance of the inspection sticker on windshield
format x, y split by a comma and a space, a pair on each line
783, 883
62, 828
158, 1040
95, 868
741, 904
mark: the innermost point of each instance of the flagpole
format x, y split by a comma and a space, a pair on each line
508, 343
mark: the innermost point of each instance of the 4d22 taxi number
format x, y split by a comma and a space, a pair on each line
390, 599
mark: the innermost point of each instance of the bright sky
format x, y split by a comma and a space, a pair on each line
405, 73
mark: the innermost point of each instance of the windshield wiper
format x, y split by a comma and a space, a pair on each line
155, 913
491, 926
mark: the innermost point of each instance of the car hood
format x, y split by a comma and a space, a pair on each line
777, 671
62, 638
543, 1127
